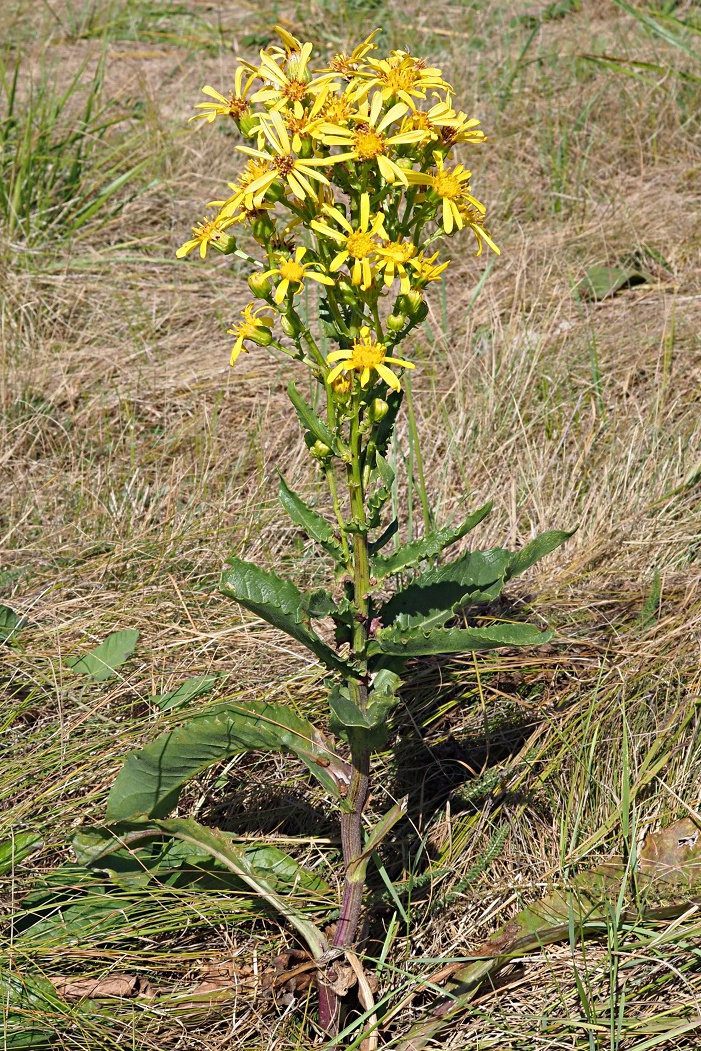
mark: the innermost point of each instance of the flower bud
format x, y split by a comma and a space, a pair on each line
320, 451
248, 122
414, 302
224, 243
306, 148
260, 285
396, 322
262, 336
421, 314
263, 228
275, 193
346, 291
289, 327
377, 410
293, 70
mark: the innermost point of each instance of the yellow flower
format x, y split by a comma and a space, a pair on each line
290, 44
339, 107
392, 257
474, 219
357, 244
452, 186
235, 106
342, 386
463, 129
366, 356
254, 170
347, 65
442, 122
294, 272
368, 141
305, 126
284, 165
207, 232
282, 91
254, 327
426, 270
401, 76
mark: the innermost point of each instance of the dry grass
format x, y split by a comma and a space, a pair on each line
134, 461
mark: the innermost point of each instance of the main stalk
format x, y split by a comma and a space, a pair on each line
352, 816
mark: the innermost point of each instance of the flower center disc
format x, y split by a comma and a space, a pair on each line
446, 185
397, 252
295, 91
368, 144
292, 271
360, 244
284, 164
400, 79
367, 355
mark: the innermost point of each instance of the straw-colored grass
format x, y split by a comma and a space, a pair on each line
133, 461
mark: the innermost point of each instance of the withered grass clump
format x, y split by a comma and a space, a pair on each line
134, 462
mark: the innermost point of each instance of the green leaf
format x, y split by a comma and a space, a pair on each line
280, 603
434, 596
319, 603
417, 643
378, 499
366, 729
537, 549
600, 282
426, 546
385, 429
107, 849
650, 612
33, 1012
191, 688
310, 421
313, 524
10, 623
477, 577
102, 662
376, 545
17, 848
151, 779
384, 470
236, 859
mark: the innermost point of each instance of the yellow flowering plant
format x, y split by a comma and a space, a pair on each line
349, 185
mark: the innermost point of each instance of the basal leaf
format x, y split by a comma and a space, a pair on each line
10, 623
600, 282
106, 849
151, 779
313, 524
33, 1012
417, 643
537, 549
310, 421
191, 688
18, 847
102, 662
426, 546
280, 603
235, 858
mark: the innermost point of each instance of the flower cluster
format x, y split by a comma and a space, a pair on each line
348, 178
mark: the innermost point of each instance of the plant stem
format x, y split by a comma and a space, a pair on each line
352, 817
